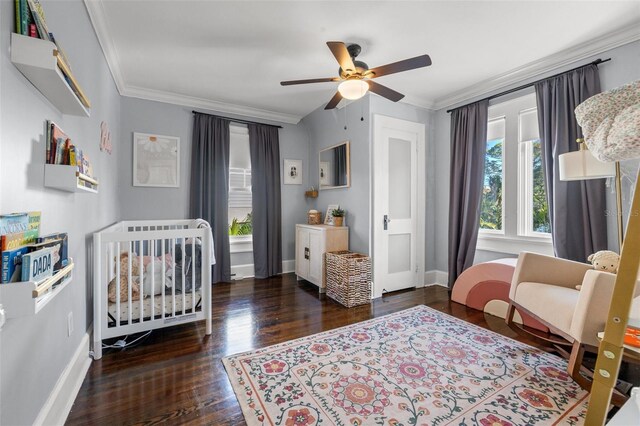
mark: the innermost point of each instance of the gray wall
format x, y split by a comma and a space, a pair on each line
326, 128
34, 350
173, 203
408, 112
623, 68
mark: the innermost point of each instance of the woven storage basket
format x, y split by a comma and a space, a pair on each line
314, 218
348, 278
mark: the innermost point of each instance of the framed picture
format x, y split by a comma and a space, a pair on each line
325, 173
156, 160
328, 218
292, 172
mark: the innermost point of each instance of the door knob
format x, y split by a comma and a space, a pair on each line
386, 221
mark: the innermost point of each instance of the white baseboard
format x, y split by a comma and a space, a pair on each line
239, 272
435, 277
60, 401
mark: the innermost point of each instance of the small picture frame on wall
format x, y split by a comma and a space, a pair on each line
328, 217
292, 172
156, 160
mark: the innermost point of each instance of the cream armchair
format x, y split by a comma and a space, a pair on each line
545, 288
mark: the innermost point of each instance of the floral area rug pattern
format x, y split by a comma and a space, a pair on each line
415, 367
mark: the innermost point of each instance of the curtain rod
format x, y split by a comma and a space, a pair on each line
236, 120
524, 86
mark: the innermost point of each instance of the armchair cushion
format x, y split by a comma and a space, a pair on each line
553, 304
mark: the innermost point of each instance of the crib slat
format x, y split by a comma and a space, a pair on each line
164, 273
193, 275
129, 304
184, 256
153, 278
140, 282
173, 287
118, 283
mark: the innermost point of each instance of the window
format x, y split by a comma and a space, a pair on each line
514, 215
491, 216
240, 225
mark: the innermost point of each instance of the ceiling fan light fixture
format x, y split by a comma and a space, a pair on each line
353, 89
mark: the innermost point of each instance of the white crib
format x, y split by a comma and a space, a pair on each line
173, 281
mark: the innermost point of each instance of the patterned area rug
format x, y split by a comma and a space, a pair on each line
414, 367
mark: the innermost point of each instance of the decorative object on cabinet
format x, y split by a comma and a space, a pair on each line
105, 138
42, 64
156, 160
338, 216
314, 217
349, 278
312, 242
292, 172
328, 218
334, 166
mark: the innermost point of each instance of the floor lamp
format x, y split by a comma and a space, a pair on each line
582, 165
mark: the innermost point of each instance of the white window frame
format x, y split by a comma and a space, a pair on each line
514, 237
239, 243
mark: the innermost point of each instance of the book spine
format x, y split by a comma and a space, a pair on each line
33, 32
5, 268
26, 267
24, 17
18, 18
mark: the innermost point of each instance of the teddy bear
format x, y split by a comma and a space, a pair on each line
124, 279
604, 260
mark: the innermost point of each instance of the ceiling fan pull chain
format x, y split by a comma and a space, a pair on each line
345, 117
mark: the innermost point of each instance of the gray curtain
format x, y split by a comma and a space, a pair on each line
577, 208
340, 160
264, 148
468, 149
209, 198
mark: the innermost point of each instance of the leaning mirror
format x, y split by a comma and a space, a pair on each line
334, 167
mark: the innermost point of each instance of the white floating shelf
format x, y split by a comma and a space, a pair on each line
67, 178
27, 298
36, 60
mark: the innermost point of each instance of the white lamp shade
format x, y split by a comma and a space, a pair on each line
353, 89
582, 165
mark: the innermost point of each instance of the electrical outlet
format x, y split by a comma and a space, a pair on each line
70, 324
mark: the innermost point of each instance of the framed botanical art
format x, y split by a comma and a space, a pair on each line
156, 160
328, 217
292, 172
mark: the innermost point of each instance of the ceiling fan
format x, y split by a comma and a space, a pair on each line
356, 75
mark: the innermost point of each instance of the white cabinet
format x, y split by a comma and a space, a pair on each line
312, 242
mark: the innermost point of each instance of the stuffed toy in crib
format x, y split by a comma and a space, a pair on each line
151, 267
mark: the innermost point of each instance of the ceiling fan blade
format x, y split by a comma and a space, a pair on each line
384, 91
406, 65
339, 50
334, 101
312, 80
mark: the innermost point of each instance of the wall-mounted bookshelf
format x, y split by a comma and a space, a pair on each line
67, 178
38, 60
29, 297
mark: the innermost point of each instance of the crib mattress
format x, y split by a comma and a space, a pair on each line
157, 309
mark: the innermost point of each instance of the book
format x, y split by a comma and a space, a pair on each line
60, 242
18, 239
18, 18
34, 221
14, 222
11, 264
24, 17
37, 265
58, 140
33, 32
38, 18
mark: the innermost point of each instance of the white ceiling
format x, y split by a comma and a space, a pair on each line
231, 56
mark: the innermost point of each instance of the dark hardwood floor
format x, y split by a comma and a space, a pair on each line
176, 374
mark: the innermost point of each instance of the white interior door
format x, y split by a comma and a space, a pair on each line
398, 252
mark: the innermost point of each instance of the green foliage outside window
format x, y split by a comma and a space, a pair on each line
243, 227
540, 206
491, 206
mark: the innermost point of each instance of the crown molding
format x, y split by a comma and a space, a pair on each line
95, 8
545, 65
208, 104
